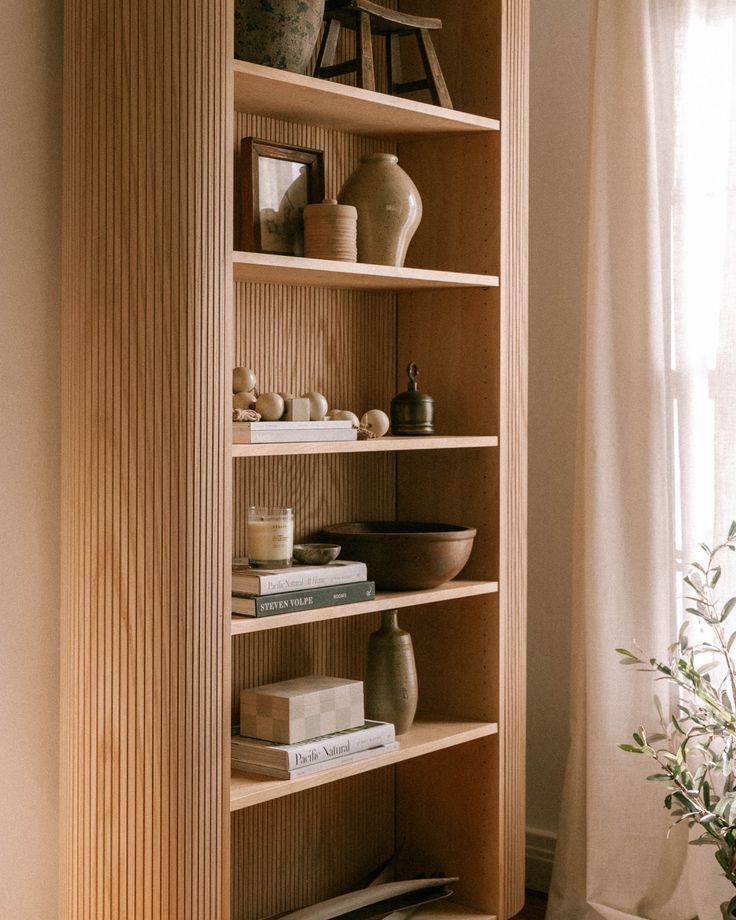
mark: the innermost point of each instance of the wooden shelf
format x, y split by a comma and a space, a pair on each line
378, 445
294, 97
247, 789
385, 600
451, 910
264, 268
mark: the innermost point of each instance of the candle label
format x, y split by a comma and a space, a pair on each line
270, 540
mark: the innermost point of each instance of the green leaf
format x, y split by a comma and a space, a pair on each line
631, 749
715, 576
727, 608
659, 778
732, 531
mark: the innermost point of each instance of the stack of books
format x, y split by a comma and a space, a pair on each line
297, 727
290, 761
263, 593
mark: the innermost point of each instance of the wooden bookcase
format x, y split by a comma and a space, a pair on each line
156, 310
450, 800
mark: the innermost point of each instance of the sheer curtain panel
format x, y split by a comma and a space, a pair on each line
656, 433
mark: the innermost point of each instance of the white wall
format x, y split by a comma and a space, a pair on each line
560, 88
30, 208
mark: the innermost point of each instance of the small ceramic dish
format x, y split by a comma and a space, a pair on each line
315, 553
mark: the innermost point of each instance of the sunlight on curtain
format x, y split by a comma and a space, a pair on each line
703, 271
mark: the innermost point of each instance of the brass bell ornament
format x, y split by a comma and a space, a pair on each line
412, 412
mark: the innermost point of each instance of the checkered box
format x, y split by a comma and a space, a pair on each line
296, 710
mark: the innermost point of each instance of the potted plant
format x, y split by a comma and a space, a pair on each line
695, 746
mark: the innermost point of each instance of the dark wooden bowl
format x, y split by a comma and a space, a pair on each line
404, 555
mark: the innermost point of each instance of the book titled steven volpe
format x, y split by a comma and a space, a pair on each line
249, 580
295, 601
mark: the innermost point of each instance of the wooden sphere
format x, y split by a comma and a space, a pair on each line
270, 406
244, 380
317, 405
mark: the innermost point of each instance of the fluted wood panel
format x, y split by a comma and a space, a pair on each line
513, 452
145, 483
295, 852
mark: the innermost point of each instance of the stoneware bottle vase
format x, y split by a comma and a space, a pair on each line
728, 912
391, 687
389, 209
277, 33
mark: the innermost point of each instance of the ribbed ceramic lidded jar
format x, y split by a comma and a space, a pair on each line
330, 231
389, 209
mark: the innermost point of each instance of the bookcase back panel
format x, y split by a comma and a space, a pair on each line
469, 50
303, 849
456, 651
448, 818
322, 489
335, 648
340, 343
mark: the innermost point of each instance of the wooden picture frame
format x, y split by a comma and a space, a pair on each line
277, 180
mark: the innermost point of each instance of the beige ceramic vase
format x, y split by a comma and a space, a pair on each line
391, 686
389, 209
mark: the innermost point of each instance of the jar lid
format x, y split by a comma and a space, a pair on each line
330, 208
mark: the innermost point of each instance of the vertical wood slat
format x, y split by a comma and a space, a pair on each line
513, 442
145, 486
300, 850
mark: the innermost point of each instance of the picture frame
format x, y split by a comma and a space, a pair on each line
277, 181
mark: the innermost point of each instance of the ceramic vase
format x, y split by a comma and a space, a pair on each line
391, 687
389, 209
277, 33
726, 912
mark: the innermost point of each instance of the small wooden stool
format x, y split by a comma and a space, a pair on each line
366, 19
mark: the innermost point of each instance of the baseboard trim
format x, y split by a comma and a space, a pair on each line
540, 854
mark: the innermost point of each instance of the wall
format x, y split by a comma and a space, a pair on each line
30, 179
559, 112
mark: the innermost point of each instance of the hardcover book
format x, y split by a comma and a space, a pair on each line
276, 773
306, 753
311, 599
290, 432
248, 580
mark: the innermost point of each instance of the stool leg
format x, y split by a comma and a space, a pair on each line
393, 61
437, 85
364, 53
326, 56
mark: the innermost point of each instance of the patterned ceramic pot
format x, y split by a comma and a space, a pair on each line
277, 33
389, 209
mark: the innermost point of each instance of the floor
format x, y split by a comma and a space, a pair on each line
535, 906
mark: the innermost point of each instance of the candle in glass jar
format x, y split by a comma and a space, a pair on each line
270, 536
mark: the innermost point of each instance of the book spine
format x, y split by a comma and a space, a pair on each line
283, 582
295, 601
277, 773
312, 752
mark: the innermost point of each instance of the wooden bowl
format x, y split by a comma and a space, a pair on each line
404, 555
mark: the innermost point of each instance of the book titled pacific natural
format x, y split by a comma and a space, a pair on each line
317, 750
249, 580
294, 601
278, 773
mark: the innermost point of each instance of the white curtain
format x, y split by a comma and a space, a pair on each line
656, 469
